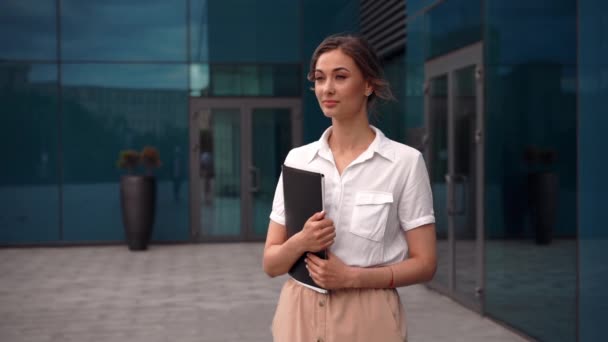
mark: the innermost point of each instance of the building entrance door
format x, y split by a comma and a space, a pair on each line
237, 147
454, 154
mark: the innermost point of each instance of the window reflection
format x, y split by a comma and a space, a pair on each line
100, 30
28, 30
29, 208
107, 108
199, 30
531, 223
219, 171
251, 80
453, 24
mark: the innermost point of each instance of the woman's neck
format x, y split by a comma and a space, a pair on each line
350, 135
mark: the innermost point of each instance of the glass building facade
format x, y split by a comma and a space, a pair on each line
506, 98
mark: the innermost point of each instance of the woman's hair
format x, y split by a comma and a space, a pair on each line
365, 58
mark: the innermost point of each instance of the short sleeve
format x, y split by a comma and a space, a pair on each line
278, 203
416, 203
278, 206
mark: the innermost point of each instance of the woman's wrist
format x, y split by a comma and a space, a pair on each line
353, 277
295, 243
373, 277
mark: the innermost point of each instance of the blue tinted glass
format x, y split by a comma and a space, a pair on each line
199, 30
249, 80
452, 25
103, 30
28, 29
531, 198
531, 157
199, 80
110, 108
593, 125
414, 81
253, 31
389, 116
415, 6
29, 192
521, 31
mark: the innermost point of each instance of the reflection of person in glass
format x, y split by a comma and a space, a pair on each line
207, 173
378, 224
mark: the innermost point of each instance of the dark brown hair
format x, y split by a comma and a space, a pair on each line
365, 58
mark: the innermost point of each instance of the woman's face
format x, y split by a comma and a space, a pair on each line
339, 86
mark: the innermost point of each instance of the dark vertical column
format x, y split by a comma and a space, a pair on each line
592, 167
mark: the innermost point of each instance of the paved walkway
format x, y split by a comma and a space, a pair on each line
205, 292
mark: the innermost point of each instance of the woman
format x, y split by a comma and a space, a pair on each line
378, 222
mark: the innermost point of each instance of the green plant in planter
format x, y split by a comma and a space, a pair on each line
128, 159
138, 195
131, 159
150, 158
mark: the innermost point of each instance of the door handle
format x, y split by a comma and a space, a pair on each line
255, 178
452, 181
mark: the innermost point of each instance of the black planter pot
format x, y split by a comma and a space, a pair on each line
544, 188
138, 201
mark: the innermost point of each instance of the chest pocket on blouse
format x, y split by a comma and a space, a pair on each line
370, 214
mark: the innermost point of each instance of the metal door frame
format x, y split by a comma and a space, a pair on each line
447, 65
246, 105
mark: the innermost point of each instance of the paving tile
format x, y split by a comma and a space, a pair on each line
211, 292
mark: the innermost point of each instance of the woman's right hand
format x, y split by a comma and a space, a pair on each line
318, 233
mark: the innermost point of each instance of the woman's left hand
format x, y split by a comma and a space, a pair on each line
331, 274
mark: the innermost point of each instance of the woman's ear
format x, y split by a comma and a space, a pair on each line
368, 89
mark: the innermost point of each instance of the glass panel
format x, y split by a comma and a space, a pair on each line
199, 30
101, 31
109, 108
199, 80
465, 117
452, 25
415, 6
551, 23
271, 142
220, 172
255, 80
531, 165
29, 193
261, 30
531, 198
414, 71
28, 29
593, 125
438, 168
389, 116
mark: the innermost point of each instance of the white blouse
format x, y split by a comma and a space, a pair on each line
382, 193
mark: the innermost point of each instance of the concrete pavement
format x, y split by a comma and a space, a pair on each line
202, 292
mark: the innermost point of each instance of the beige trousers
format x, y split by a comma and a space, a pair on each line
351, 315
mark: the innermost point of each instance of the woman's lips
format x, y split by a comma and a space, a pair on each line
330, 103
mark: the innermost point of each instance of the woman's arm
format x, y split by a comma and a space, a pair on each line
419, 267
281, 253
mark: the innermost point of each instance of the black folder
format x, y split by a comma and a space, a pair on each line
303, 197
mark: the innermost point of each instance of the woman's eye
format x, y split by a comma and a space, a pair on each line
318, 78
340, 77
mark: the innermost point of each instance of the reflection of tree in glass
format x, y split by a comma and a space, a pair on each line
29, 135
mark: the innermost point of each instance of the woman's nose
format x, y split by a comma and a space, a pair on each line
329, 87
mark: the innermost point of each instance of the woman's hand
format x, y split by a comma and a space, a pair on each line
331, 274
318, 233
